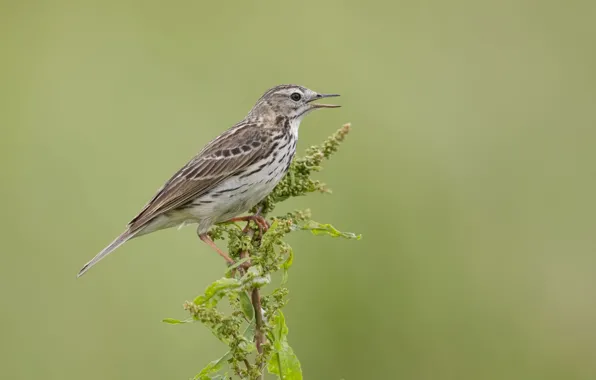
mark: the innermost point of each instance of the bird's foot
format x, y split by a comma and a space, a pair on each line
258, 219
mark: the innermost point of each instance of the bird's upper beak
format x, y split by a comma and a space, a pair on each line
320, 105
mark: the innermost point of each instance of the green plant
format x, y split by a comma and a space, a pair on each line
255, 330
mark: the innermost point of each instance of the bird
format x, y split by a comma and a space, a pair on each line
231, 174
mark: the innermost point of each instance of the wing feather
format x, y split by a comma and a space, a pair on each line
206, 170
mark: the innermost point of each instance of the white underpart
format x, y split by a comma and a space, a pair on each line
236, 194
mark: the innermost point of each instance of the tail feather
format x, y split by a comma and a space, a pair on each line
123, 238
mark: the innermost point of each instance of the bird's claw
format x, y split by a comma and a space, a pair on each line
260, 221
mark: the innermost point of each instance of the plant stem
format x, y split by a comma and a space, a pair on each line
256, 303
259, 336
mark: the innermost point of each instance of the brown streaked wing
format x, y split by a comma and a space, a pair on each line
213, 164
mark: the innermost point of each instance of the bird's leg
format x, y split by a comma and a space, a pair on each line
258, 219
261, 219
205, 237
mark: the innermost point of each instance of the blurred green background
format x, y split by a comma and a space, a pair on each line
470, 172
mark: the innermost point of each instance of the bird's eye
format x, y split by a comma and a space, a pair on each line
296, 96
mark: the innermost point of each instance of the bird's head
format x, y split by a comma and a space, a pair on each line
291, 101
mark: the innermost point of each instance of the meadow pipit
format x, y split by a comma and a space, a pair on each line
231, 174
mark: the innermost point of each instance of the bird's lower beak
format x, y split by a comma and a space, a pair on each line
321, 105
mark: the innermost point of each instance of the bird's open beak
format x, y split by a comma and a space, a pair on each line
320, 105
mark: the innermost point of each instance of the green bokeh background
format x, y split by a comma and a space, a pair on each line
470, 172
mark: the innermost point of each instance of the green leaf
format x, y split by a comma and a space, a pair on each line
246, 305
327, 229
269, 236
283, 362
249, 333
254, 278
215, 365
237, 264
173, 321
287, 264
217, 290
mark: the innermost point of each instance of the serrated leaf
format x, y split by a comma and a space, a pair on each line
173, 321
283, 362
217, 290
327, 229
246, 305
